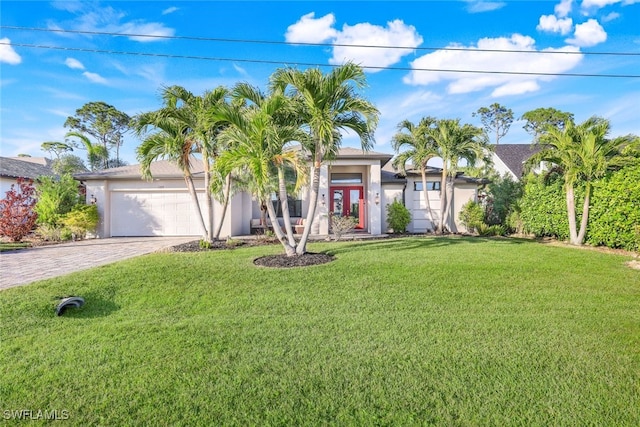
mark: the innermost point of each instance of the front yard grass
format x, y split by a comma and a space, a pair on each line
416, 331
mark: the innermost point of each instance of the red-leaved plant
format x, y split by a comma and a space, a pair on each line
17, 217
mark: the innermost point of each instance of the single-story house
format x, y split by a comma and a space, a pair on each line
12, 168
510, 159
355, 183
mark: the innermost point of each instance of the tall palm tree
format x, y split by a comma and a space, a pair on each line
199, 114
454, 143
419, 148
170, 141
583, 153
259, 139
328, 103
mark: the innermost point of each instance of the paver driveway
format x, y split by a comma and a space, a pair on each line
28, 265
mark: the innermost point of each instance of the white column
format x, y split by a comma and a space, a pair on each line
375, 190
322, 212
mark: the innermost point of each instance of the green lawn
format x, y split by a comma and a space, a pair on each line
416, 331
11, 246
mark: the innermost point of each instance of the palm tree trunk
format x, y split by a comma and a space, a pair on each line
207, 195
284, 202
225, 203
443, 198
192, 191
449, 201
313, 202
288, 249
585, 215
571, 214
426, 198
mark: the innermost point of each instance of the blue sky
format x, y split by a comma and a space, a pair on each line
40, 87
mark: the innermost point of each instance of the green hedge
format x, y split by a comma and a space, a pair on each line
614, 218
543, 207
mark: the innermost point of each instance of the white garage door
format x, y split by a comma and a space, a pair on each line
139, 213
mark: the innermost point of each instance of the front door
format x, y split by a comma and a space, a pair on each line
348, 201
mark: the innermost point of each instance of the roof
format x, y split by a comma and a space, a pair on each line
353, 153
514, 155
16, 167
159, 169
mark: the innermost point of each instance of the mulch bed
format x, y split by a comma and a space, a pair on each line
273, 261
283, 261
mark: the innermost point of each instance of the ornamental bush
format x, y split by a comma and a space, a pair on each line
398, 217
17, 217
471, 215
81, 220
56, 198
614, 218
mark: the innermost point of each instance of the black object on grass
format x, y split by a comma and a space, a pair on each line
68, 302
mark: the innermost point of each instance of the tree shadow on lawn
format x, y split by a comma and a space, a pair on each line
403, 243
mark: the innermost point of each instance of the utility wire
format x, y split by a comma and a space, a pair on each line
311, 64
227, 40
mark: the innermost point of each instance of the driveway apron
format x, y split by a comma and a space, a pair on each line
24, 266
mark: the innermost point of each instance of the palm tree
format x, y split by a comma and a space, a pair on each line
258, 138
200, 116
328, 103
171, 141
97, 154
453, 144
419, 150
583, 153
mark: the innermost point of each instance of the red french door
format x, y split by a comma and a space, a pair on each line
348, 201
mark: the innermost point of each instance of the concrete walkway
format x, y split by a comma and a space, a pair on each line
29, 265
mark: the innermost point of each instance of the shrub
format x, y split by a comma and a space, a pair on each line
56, 198
398, 217
486, 230
471, 215
17, 216
614, 218
81, 220
503, 195
341, 225
544, 207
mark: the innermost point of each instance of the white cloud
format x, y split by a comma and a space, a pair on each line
240, 70
311, 30
350, 42
94, 77
152, 29
92, 17
563, 8
74, 64
397, 33
480, 6
7, 54
588, 34
477, 58
551, 24
610, 17
169, 10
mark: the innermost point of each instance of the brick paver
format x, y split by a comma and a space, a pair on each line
29, 265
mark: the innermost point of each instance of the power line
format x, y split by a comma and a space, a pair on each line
275, 42
311, 64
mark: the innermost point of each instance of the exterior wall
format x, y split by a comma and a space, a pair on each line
416, 203
5, 185
462, 193
390, 192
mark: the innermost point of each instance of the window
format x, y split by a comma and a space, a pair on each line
295, 207
346, 178
431, 186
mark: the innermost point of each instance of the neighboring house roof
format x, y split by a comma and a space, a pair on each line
514, 155
159, 169
27, 167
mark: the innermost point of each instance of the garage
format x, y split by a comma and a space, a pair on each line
153, 213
